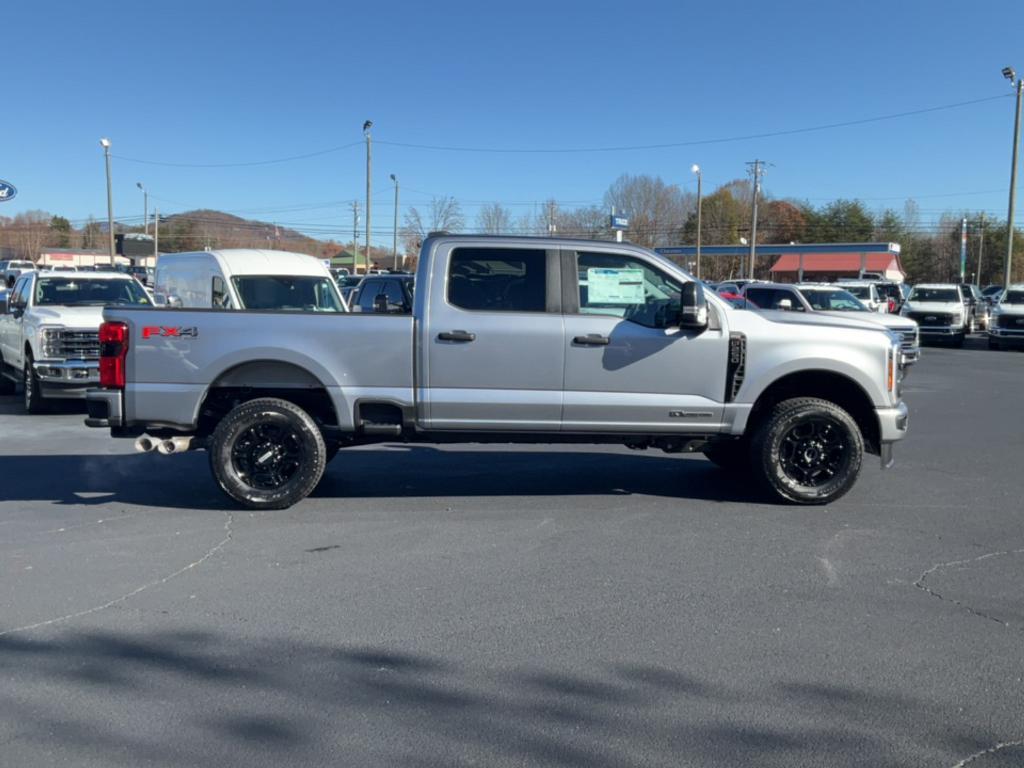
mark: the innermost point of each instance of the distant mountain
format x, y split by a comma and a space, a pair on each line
205, 228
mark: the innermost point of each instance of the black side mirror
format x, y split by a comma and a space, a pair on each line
380, 303
694, 310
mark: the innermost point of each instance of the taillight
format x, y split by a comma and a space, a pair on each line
113, 351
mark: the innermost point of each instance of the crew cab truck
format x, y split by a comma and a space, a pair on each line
49, 332
1006, 327
510, 340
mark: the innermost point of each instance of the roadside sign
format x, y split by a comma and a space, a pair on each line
618, 221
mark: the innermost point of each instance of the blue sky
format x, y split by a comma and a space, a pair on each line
233, 82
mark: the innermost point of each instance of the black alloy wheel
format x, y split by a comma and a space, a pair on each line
267, 454
808, 451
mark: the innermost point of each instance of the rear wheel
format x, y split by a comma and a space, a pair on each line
993, 343
267, 454
958, 341
808, 451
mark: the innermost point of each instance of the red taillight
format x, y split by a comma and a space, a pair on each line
113, 351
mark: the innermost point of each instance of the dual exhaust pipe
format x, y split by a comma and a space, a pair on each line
166, 447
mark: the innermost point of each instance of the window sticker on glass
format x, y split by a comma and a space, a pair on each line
615, 286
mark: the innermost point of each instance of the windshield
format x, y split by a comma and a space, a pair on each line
302, 294
87, 291
944, 295
833, 301
1013, 297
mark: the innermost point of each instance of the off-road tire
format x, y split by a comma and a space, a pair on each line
778, 451
32, 394
267, 454
730, 455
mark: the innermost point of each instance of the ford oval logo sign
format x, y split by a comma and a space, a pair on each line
7, 191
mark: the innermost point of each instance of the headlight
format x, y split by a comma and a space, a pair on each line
50, 338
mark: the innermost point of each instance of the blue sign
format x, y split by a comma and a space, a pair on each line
7, 191
619, 221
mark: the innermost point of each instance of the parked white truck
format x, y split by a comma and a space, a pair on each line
49, 331
510, 340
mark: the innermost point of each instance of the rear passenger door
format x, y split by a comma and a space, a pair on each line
492, 340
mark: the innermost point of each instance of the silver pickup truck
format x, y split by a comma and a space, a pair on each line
510, 340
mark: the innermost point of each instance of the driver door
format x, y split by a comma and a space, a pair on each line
628, 368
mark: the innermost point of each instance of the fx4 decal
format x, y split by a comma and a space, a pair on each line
170, 332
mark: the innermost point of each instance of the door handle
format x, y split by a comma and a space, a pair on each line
456, 336
592, 340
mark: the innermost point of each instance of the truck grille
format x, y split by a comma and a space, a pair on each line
1013, 322
78, 345
932, 318
907, 337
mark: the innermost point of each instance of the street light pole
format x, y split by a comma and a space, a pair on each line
1009, 74
696, 169
145, 207
105, 143
369, 186
394, 233
753, 215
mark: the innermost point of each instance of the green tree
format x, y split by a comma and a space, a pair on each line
843, 221
60, 232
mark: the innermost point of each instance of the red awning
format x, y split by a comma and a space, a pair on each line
837, 262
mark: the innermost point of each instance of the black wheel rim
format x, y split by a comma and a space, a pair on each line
814, 452
29, 393
267, 455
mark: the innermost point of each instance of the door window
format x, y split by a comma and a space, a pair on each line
498, 279
772, 298
627, 287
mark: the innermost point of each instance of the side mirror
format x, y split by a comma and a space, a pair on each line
174, 302
694, 310
380, 303
786, 305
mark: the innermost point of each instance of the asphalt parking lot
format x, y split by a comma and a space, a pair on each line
497, 606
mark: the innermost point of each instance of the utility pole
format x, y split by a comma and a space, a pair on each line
105, 143
696, 169
145, 207
756, 170
369, 186
355, 236
1009, 74
981, 245
394, 233
552, 228
156, 233
963, 249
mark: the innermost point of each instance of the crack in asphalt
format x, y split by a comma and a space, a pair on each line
117, 600
966, 561
990, 751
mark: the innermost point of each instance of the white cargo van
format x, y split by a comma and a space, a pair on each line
244, 278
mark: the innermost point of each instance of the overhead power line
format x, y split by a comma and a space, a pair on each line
243, 164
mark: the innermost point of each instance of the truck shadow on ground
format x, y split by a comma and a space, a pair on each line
401, 471
194, 698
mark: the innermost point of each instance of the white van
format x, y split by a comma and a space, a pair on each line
245, 278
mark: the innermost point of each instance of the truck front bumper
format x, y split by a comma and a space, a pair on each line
892, 426
66, 378
941, 331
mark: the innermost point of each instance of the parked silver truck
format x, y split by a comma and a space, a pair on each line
510, 340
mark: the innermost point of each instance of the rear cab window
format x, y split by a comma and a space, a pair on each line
498, 279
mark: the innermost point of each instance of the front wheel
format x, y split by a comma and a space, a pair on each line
808, 451
992, 343
30, 383
267, 454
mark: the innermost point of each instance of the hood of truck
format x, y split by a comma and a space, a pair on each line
72, 317
893, 322
820, 319
949, 307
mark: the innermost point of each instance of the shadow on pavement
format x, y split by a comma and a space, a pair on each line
393, 472
204, 699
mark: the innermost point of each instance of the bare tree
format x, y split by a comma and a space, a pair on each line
494, 219
445, 214
590, 222
657, 211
